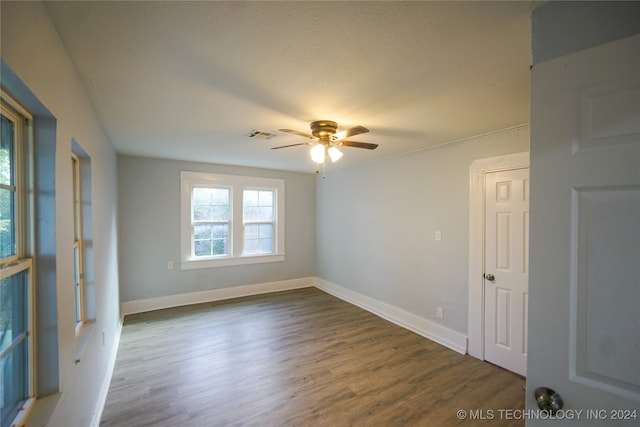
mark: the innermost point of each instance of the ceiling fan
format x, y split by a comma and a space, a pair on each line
326, 139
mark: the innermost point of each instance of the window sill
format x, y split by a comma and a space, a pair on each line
83, 336
40, 411
190, 264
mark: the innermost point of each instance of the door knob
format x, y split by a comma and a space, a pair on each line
548, 400
490, 277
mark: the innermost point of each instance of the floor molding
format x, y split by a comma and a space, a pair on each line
421, 326
150, 304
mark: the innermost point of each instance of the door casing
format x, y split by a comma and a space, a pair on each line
477, 171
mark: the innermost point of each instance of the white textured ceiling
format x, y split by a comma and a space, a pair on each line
188, 80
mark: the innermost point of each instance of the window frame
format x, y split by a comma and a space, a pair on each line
77, 243
236, 184
24, 246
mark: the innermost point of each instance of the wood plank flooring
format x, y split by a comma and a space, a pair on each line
295, 358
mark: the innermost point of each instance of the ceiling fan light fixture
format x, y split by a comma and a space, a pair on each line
335, 154
325, 138
318, 153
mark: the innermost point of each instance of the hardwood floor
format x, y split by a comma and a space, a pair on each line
296, 358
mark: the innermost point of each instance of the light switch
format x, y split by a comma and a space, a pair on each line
438, 236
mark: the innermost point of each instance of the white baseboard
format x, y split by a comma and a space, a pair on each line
421, 326
149, 304
106, 383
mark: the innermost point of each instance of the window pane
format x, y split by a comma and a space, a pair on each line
202, 231
7, 132
202, 213
250, 198
208, 195
202, 248
266, 246
252, 231
257, 205
7, 223
210, 204
266, 230
220, 231
252, 246
266, 198
266, 238
250, 213
13, 317
76, 281
15, 388
258, 238
265, 214
77, 199
7, 195
220, 212
13, 324
219, 247
211, 239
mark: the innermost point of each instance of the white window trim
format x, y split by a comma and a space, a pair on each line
237, 184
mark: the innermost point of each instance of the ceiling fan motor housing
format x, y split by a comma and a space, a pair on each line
324, 129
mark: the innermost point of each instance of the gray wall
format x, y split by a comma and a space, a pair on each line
563, 27
149, 191
33, 52
376, 226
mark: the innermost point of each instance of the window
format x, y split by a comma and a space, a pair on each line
78, 274
83, 271
231, 220
16, 284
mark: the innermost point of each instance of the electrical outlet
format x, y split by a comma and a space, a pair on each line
440, 312
170, 265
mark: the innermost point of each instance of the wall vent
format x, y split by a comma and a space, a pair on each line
260, 134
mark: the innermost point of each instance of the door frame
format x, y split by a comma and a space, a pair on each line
477, 171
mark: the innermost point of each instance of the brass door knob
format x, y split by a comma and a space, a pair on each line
548, 400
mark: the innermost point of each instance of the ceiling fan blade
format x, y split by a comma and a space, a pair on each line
355, 144
302, 134
350, 132
292, 145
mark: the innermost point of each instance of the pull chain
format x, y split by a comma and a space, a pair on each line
324, 169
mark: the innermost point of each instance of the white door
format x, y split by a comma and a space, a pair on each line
506, 284
584, 316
